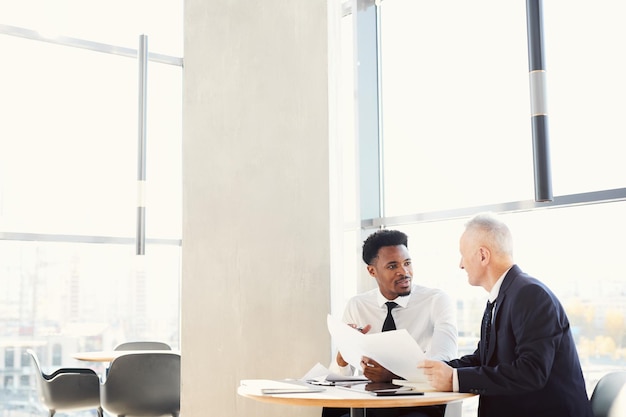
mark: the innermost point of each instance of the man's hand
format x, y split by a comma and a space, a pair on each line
439, 374
374, 372
340, 361
363, 329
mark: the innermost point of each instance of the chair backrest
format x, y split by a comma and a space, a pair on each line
39, 374
609, 396
143, 345
143, 384
67, 389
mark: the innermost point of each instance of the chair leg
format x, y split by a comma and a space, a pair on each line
100, 412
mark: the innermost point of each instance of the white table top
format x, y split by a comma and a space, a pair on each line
109, 355
341, 397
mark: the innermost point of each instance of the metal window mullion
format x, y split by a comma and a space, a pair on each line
142, 57
367, 88
88, 45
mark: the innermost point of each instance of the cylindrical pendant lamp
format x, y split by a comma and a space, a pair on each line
539, 111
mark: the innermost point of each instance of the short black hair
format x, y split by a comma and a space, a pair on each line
380, 238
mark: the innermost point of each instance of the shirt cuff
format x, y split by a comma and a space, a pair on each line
347, 370
455, 380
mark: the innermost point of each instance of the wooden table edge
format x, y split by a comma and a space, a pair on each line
109, 355
374, 402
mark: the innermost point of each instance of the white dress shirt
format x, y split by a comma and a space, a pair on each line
428, 314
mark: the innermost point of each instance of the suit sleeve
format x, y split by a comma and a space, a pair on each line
527, 340
466, 361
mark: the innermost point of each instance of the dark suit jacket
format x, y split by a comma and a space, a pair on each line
532, 367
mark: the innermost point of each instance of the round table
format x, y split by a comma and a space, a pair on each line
356, 401
109, 355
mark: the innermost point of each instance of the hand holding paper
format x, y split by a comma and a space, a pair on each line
395, 350
375, 372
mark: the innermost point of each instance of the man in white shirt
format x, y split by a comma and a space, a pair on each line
427, 314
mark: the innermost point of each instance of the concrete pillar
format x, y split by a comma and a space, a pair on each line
256, 229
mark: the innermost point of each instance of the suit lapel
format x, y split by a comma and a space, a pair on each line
506, 283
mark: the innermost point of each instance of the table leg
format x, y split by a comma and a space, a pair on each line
357, 412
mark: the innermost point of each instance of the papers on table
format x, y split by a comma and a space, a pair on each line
396, 350
423, 386
320, 374
270, 386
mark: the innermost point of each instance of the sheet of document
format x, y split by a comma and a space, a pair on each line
396, 350
321, 373
270, 386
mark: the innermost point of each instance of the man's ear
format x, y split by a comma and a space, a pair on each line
371, 270
485, 254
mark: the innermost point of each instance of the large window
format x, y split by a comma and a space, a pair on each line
455, 106
70, 275
455, 139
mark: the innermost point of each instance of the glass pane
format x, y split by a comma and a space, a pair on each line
455, 104
163, 152
62, 298
68, 143
73, 118
347, 121
68, 167
586, 90
50, 287
346, 286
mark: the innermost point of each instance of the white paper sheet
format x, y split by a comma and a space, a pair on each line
269, 387
320, 373
396, 350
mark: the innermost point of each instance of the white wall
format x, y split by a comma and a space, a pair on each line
256, 235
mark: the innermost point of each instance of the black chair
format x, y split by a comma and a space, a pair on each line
142, 384
609, 396
67, 389
143, 345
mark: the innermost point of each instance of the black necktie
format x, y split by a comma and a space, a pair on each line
389, 324
486, 329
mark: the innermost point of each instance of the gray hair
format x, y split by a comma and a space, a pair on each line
494, 232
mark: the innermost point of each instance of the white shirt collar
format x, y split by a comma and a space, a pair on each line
401, 301
495, 291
